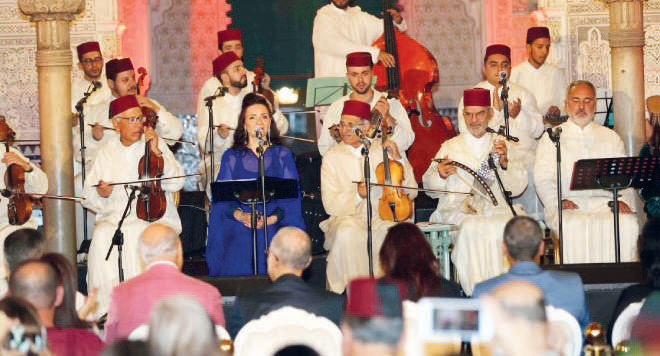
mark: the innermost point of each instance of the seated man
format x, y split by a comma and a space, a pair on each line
288, 256
37, 282
477, 250
131, 302
523, 245
345, 201
587, 218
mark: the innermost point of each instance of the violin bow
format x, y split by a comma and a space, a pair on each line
415, 188
146, 180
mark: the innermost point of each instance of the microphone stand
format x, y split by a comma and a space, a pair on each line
507, 193
554, 136
209, 104
367, 179
504, 95
84, 246
262, 178
118, 237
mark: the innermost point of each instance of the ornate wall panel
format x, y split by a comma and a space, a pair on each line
18, 77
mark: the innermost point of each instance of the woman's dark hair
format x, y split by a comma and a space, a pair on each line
66, 315
26, 314
406, 255
240, 135
649, 251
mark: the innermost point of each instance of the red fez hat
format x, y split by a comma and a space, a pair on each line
222, 61
122, 104
372, 297
359, 59
537, 32
476, 97
357, 108
116, 66
87, 47
229, 34
498, 49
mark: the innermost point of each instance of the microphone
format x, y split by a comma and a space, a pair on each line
553, 133
259, 133
502, 75
221, 91
96, 85
5, 193
359, 133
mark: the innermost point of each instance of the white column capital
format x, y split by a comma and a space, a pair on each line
40, 10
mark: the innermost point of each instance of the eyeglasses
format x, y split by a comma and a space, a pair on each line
133, 119
349, 125
88, 61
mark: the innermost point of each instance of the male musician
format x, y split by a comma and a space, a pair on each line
90, 61
359, 71
229, 40
340, 29
525, 122
542, 79
229, 70
117, 162
345, 201
587, 219
35, 182
478, 248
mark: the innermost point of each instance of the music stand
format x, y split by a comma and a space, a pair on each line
615, 174
248, 191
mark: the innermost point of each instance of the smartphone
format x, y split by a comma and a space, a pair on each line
451, 319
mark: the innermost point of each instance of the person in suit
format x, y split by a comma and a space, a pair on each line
288, 256
523, 245
131, 302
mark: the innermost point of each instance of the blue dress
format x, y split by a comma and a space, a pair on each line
229, 244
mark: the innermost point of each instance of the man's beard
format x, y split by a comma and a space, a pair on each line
240, 84
342, 7
363, 91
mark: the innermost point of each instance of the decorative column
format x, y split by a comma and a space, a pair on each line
54, 62
627, 43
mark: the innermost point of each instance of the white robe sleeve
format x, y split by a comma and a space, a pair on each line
514, 177
281, 122
332, 117
545, 172
533, 124
403, 134
171, 168
339, 198
328, 40
431, 178
169, 126
36, 181
92, 200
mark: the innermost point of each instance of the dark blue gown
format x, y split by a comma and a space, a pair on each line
229, 244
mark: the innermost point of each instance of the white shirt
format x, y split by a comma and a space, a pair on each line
80, 85
527, 126
403, 134
546, 82
211, 86
339, 32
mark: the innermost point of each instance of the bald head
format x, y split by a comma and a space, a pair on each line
521, 300
522, 238
292, 246
159, 242
36, 282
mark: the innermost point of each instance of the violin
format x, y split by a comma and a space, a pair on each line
259, 73
151, 203
19, 207
411, 81
394, 204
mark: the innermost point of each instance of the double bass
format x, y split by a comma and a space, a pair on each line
259, 73
411, 81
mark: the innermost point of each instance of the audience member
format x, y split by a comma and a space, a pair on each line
125, 347
179, 325
523, 245
649, 255
646, 327
296, 350
132, 301
66, 315
37, 282
407, 256
373, 321
288, 256
27, 335
20, 245
518, 310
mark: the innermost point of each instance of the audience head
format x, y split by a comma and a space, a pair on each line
649, 251
160, 242
290, 252
406, 255
523, 239
23, 244
518, 308
25, 317
646, 326
125, 347
372, 317
179, 325
66, 315
37, 282
254, 110
296, 350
